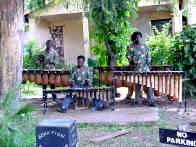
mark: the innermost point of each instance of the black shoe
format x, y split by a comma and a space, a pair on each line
61, 110
151, 104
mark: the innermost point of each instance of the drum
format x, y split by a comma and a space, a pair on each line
45, 79
38, 78
52, 77
109, 77
32, 76
58, 80
65, 81
102, 76
25, 75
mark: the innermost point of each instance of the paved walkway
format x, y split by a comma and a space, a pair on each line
121, 116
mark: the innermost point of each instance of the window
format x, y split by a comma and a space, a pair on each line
159, 24
26, 22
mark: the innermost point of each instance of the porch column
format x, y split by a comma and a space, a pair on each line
85, 36
177, 19
191, 12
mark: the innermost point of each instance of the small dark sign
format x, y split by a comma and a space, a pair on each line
177, 137
56, 133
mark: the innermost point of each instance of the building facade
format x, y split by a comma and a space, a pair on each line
69, 27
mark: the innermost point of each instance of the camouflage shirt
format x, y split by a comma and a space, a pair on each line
49, 59
81, 77
139, 57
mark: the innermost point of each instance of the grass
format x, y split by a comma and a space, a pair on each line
29, 89
141, 134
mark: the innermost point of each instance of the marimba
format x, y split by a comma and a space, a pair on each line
103, 93
105, 72
47, 77
105, 75
165, 82
62, 77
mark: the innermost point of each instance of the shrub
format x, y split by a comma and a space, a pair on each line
17, 126
32, 51
159, 43
183, 56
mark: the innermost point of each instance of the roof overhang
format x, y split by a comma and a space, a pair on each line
62, 17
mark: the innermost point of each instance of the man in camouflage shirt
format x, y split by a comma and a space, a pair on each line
81, 77
49, 56
139, 57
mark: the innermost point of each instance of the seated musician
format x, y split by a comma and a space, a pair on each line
138, 55
49, 59
81, 77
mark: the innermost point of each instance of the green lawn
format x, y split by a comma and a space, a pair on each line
29, 89
141, 135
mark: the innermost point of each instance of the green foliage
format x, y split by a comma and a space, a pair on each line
110, 22
159, 43
29, 88
183, 56
61, 65
35, 4
31, 55
17, 126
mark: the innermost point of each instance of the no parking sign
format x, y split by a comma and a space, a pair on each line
177, 137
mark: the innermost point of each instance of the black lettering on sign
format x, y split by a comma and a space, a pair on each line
176, 137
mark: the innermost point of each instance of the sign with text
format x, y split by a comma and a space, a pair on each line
56, 133
176, 137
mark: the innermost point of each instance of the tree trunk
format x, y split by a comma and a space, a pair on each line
110, 54
11, 33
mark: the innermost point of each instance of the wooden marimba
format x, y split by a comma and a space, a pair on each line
165, 82
103, 93
105, 72
47, 77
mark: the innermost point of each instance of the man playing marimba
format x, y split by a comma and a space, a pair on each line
81, 77
49, 60
138, 55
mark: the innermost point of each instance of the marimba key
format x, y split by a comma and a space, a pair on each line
156, 82
152, 82
176, 87
172, 86
140, 79
160, 84
180, 89
148, 81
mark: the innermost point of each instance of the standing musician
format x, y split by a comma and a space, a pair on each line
81, 77
49, 56
138, 55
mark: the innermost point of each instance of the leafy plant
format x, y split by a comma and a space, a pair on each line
159, 43
32, 51
30, 88
183, 57
111, 29
16, 122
